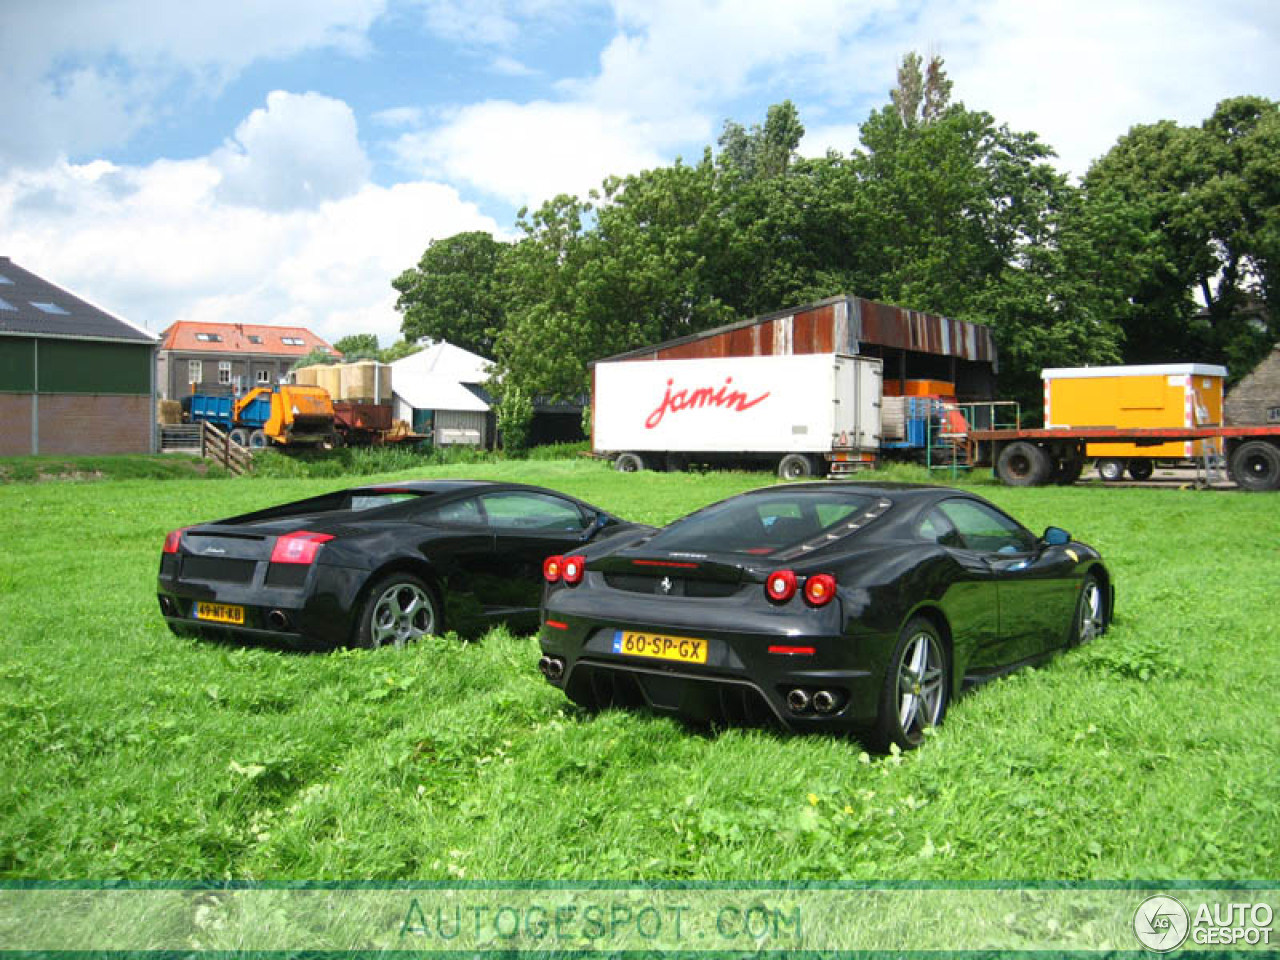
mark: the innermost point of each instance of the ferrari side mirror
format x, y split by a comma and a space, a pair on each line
1056, 537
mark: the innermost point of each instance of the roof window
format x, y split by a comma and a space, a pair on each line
293, 341
49, 308
254, 338
209, 337
6, 305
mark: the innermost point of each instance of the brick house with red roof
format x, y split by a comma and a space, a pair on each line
215, 358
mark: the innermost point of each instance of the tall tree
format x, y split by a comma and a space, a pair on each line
454, 292
1199, 227
764, 151
965, 217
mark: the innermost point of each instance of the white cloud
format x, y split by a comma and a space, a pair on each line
75, 81
527, 153
298, 151
1082, 72
155, 244
511, 67
399, 117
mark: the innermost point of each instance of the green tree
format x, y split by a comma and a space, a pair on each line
316, 357
358, 346
454, 293
965, 217
514, 416
764, 151
1197, 221
399, 350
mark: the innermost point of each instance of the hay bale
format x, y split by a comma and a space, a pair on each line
169, 412
366, 381
329, 376
306, 375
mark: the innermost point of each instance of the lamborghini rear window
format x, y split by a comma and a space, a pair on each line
368, 500
767, 523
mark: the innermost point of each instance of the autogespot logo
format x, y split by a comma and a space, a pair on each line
1161, 923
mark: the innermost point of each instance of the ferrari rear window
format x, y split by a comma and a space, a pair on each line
767, 523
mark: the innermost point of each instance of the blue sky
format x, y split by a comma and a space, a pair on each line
281, 161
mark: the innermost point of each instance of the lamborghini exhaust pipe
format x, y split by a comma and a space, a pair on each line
552, 667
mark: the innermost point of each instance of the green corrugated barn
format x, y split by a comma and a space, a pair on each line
74, 379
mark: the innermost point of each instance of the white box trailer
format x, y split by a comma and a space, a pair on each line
808, 414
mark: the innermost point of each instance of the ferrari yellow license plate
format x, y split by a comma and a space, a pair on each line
220, 613
660, 647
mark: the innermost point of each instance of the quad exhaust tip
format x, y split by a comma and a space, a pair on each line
552, 667
824, 702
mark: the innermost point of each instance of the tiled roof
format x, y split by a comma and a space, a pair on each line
32, 305
190, 336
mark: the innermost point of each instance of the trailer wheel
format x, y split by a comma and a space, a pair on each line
1023, 464
1110, 469
1256, 466
1141, 468
628, 463
795, 466
239, 435
257, 440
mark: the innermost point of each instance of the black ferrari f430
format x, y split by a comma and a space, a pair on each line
825, 606
378, 565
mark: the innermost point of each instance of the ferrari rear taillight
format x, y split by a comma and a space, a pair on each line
781, 585
299, 547
172, 539
552, 567
574, 568
820, 589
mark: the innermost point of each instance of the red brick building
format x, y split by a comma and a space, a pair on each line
74, 380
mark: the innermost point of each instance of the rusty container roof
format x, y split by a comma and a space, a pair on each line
842, 324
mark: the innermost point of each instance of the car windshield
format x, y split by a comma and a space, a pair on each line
763, 524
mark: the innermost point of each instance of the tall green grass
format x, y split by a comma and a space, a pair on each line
129, 752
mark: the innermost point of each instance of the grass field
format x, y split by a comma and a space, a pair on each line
130, 753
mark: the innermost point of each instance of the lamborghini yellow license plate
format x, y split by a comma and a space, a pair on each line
220, 613
659, 647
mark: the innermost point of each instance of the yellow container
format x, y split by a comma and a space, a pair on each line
1154, 395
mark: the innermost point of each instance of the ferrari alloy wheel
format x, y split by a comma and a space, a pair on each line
914, 697
1091, 613
401, 610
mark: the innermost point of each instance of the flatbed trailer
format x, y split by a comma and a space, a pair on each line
1032, 457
